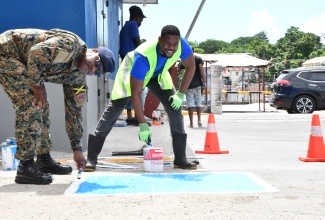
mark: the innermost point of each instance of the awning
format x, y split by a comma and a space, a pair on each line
233, 60
317, 61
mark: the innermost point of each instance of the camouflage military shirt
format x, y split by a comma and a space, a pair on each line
50, 56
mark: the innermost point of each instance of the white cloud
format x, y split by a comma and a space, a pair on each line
263, 21
314, 25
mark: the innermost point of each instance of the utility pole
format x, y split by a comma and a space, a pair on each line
194, 20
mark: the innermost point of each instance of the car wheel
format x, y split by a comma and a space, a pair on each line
304, 104
290, 111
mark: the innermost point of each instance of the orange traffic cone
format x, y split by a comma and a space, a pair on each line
316, 148
211, 145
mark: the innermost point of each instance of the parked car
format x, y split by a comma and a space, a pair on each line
300, 90
283, 73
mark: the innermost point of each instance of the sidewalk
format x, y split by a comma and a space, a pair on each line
254, 107
241, 108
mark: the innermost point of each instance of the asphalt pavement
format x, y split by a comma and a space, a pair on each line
262, 141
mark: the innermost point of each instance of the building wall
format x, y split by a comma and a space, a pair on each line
216, 89
109, 38
114, 26
78, 16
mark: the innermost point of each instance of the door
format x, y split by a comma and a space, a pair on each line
102, 40
316, 85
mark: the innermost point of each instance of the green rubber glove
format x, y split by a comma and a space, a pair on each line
177, 100
145, 132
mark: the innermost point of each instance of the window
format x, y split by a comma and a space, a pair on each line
317, 76
303, 75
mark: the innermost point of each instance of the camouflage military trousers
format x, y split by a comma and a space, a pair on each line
31, 125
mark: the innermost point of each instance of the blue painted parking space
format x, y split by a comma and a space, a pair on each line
210, 182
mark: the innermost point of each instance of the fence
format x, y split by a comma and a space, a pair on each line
233, 97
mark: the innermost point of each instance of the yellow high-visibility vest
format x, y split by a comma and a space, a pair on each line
122, 87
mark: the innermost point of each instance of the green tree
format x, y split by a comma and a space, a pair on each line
257, 45
199, 50
262, 35
196, 48
274, 70
317, 53
213, 46
297, 44
241, 41
288, 52
192, 44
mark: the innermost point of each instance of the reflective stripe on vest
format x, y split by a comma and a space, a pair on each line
121, 88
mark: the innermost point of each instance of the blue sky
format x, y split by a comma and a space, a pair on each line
229, 19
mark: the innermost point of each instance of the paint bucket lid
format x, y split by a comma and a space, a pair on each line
11, 141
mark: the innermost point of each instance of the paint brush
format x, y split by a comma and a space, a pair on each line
149, 143
79, 174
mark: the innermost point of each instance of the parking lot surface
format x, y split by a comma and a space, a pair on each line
264, 143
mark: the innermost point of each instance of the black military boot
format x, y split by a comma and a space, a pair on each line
95, 146
179, 147
47, 165
29, 173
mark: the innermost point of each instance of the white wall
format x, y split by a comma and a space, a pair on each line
58, 133
7, 117
216, 89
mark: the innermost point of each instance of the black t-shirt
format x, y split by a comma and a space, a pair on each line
197, 80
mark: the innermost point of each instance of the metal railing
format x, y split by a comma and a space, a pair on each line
231, 97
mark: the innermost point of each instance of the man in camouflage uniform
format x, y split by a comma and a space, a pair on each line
28, 58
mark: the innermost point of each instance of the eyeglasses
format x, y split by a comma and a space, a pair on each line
98, 70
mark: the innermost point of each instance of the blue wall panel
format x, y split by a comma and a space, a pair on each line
114, 30
89, 23
78, 16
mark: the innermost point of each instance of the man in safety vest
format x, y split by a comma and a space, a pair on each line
147, 66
